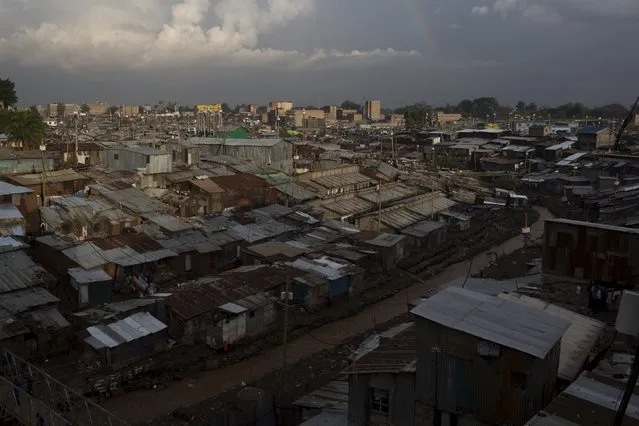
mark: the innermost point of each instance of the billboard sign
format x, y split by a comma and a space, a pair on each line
209, 108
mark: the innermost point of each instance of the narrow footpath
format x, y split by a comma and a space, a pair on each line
146, 405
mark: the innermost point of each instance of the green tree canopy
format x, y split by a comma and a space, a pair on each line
348, 104
84, 108
26, 127
113, 109
59, 109
8, 96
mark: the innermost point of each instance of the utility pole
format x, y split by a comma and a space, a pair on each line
285, 334
76, 140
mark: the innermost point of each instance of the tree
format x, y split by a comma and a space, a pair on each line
225, 107
26, 127
532, 107
485, 107
84, 108
418, 116
113, 109
34, 109
348, 104
521, 106
59, 109
8, 95
466, 107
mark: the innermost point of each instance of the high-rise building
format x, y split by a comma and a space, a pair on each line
373, 110
282, 106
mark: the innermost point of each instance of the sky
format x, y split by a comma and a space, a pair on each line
320, 52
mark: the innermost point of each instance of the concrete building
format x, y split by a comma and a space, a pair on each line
331, 112
397, 120
69, 110
98, 109
444, 118
591, 138
300, 115
280, 108
129, 110
372, 110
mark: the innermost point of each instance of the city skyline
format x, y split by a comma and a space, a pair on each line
544, 51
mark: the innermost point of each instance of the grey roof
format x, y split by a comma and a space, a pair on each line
24, 300
10, 189
494, 319
9, 211
18, 271
274, 210
587, 401
328, 418
594, 225
127, 330
486, 286
236, 142
333, 395
386, 240
82, 275
296, 192
49, 318
422, 229
170, 223
576, 342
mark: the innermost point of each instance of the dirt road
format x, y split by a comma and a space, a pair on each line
143, 406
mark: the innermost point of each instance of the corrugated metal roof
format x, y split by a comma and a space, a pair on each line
594, 225
431, 204
507, 323
574, 157
239, 181
394, 354
18, 271
399, 219
388, 193
83, 276
208, 186
577, 341
49, 319
274, 211
267, 143
10, 212
587, 401
334, 395
486, 286
297, 192
10, 242
232, 308
349, 207
53, 176
328, 418
386, 240
342, 180
275, 249
24, 300
129, 329
328, 271
170, 223
423, 228
8, 189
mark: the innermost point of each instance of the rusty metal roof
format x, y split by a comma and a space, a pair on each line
239, 181
139, 242
395, 353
